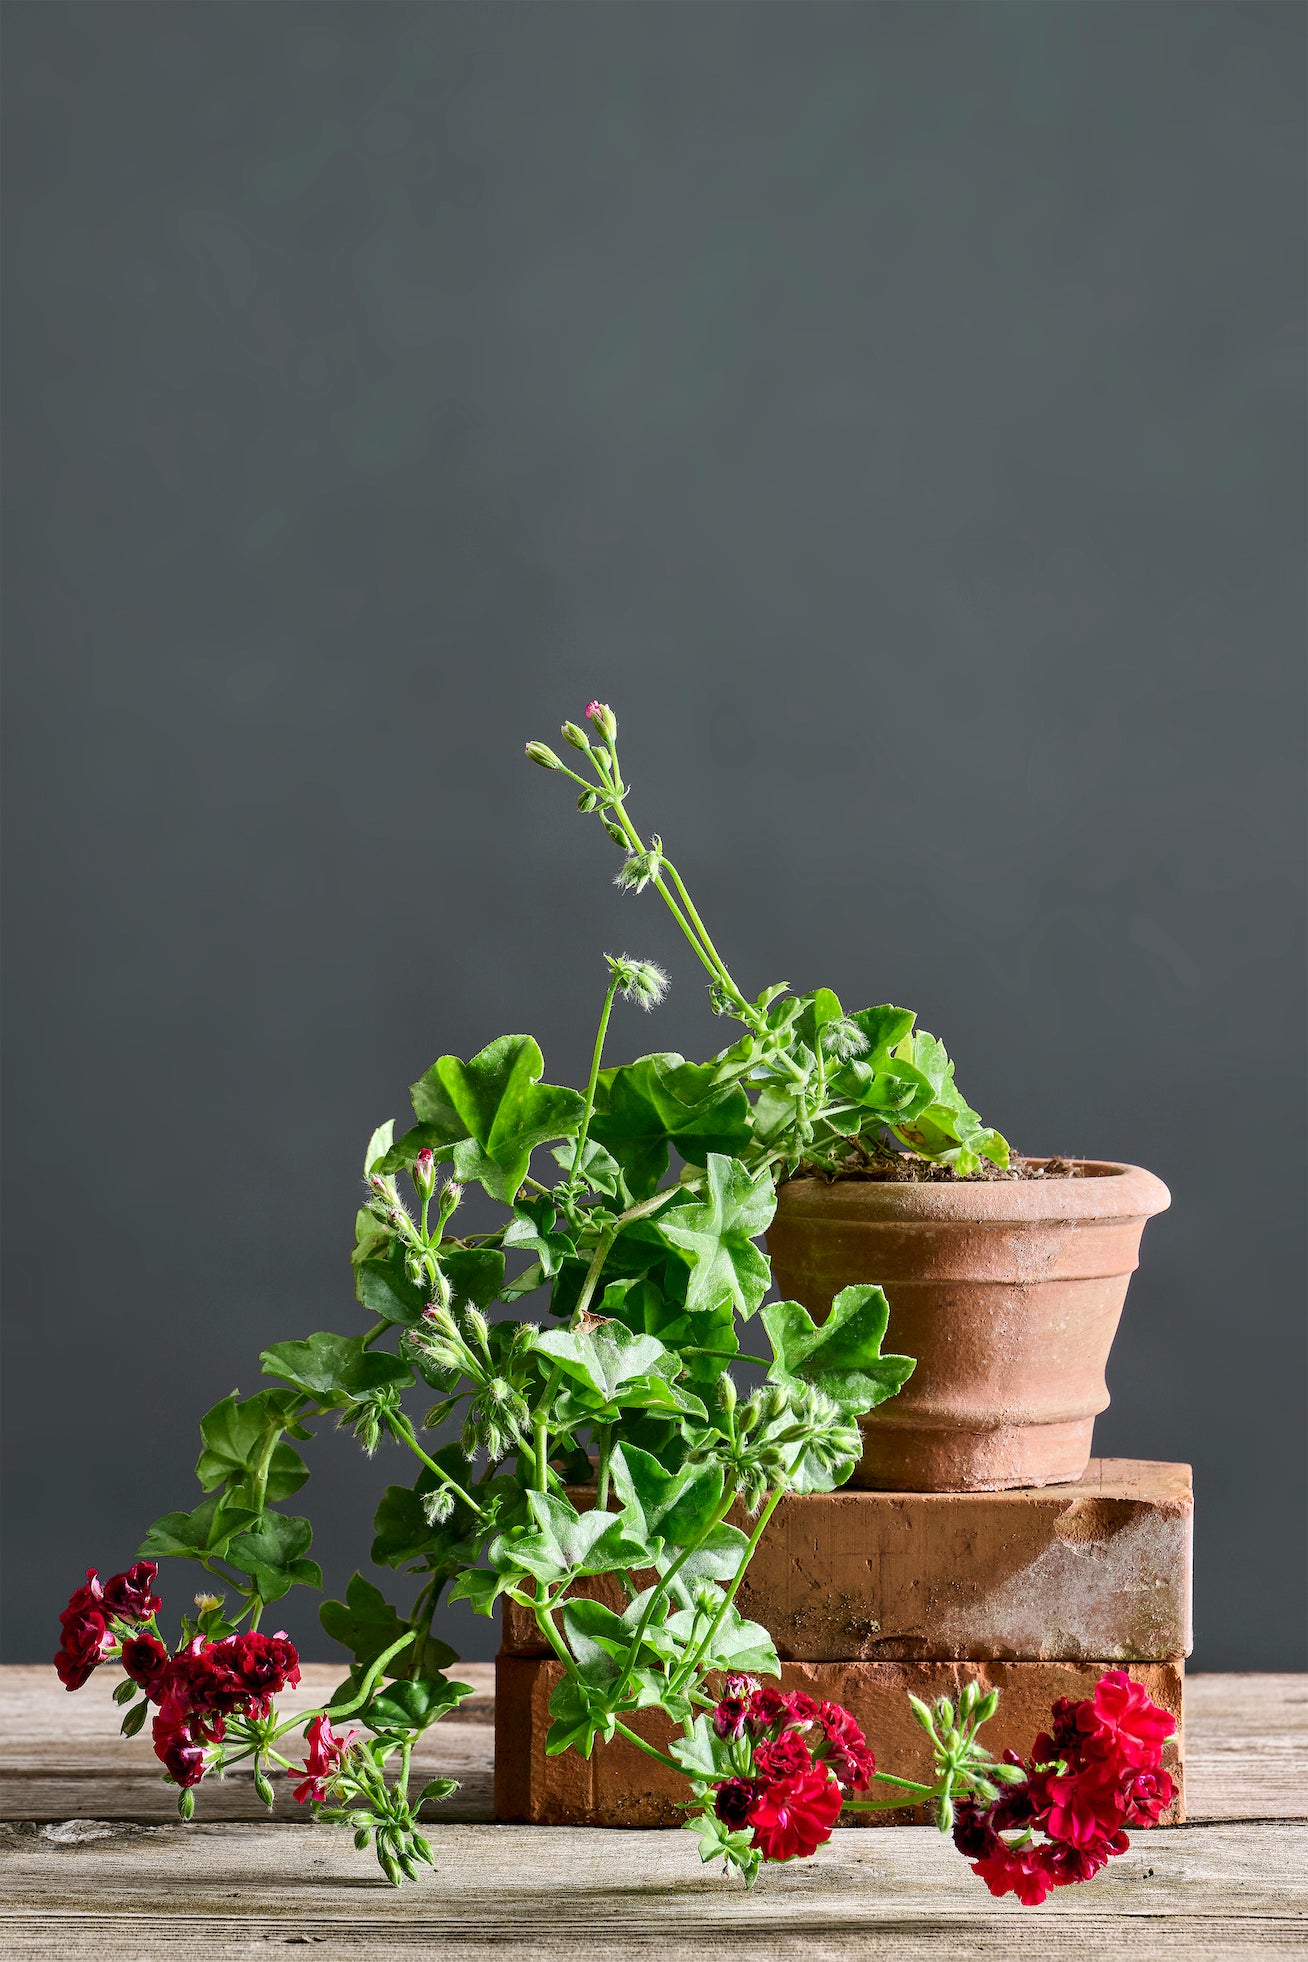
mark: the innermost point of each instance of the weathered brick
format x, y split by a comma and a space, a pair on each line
1099, 1569
619, 1785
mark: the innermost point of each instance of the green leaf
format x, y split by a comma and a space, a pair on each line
597, 1640
884, 1028
271, 1551
528, 1235
579, 1718
206, 1530
383, 1287
135, 1717
493, 1111
481, 1588
475, 1274
697, 1754
606, 1359
236, 1436
566, 1542
675, 1507
414, 1705
840, 1356
598, 1170
378, 1145
739, 1645
717, 1236
642, 1107
400, 1528
717, 1557
335, 1368
366, 1624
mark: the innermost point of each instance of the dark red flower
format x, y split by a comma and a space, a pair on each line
846, 1748
1085, 1806
145, 1659
729, 1717
180, 1753
767, 1706
1123, 1723
792, 1818
734, 1801
82, 1599
130, 1595
1067, 1865
326, 1750
87, 1639
1148, 1795
974, 1835
786, 1757
1007, 1871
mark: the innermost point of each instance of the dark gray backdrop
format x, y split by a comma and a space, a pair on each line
895, 411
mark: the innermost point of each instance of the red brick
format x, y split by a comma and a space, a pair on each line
1099, 1569
620, 1786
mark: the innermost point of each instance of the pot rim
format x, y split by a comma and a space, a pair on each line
1105, 1190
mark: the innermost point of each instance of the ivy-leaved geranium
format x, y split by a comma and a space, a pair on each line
563, 1386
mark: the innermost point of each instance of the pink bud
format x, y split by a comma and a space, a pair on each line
424, 1172
603, 718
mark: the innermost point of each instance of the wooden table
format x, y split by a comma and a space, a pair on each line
97, 1864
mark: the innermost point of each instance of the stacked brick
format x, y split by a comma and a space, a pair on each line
869, 1595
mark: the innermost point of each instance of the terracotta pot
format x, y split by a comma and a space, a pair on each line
1008, 1293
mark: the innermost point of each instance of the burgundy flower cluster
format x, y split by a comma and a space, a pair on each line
1097, 1770
88, 1634
205, 1683
799, 1755
196, 1690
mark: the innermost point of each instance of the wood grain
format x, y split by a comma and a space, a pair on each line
94, 1866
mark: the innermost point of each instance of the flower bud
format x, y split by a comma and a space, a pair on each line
263, 1787
642, 982
438, 1505
542, 753
588, 801
944, 1713
424, 1173
922, 1711
987, 1706
186, 1804
577, 737
638, 868
726, 1393
601, 717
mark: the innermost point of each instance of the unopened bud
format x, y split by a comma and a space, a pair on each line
944, 1713
424, 1173
263, 1787
438, 1505
642, 982
186, 1804
727, 1393
922, 1711
638, 869
601, 717
577, 737
987, 1706
206, 1602
542, 753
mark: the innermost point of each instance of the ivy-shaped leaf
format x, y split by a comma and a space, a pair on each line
488, 1114
271, 1553
641, 1107
842, 1355
335, 1368
366, 1624
717, 1234
192, 1535
235, 1436
414, 1705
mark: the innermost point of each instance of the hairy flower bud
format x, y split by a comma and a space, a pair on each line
642, 982
424, 1173
438, 1505
601, 717
542, 753
638, 868
577, 737
843, 1039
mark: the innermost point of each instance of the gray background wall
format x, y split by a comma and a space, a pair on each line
895, 411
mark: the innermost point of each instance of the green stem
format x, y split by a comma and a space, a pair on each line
908, 1785
595, 1060
692, 1663
334, 1711
657, 1593
593, 1272
401, 1428
650, 1750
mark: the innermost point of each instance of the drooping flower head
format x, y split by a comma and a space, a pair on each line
323, 1759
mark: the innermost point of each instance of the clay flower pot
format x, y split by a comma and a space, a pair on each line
1008, 1293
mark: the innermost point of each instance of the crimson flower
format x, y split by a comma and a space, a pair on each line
767, 1706
1085, 1806
326, 1750
795, 1816
734, 1801
1009, 1871
1123, 1723
846, 1749
786, 1757
145, 1659
130, 1595
1148, 1796
180, 1753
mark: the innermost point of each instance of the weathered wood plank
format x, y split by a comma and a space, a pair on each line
120, 1891
95, 1881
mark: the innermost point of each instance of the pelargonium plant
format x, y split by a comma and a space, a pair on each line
588, 1341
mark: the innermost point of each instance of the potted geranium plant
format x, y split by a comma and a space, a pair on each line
631, 1391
